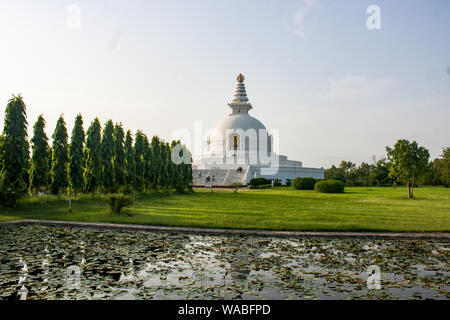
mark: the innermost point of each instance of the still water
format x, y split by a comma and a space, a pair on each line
38, 262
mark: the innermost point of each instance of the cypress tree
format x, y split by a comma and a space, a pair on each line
130, 168
172, 169
107, 157
139, 151
93, 152
39, 168
187, 169
119, 155
14, 149
148, 163
164, 166
157, 163
60, 158
76, 156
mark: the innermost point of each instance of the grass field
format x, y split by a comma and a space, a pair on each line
358, 209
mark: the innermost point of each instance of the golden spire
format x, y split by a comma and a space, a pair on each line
240, 78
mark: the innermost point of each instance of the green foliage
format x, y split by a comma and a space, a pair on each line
8, 197
157, 174
14, 149
130, 167
259, 181
39, 168
288, 182
93, 151
363, 175
277, 183
108, 146
119, 201
236, 186
303, 183
330, 186
440, 169
76, 156
119, 158
408, 163
261, 186
60, 158
140, 147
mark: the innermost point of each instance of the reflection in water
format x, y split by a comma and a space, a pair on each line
143, 265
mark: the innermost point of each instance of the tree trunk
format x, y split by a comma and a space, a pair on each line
93, 194
70, 200
412, 189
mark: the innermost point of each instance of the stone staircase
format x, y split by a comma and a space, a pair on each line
222, 177
233, 177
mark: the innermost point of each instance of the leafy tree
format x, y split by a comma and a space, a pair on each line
14, 150
108, 147
119, 155
165, 168
139, 151
76, 156
335, 173
93, 151
39, 168
407, 163
130, 168
441, 168
174, 172
148, 164
187, 169
157, 166
183, 170
60, 158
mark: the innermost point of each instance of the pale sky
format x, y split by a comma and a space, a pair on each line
335, 89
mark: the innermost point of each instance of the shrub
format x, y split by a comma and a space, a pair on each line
264, 186
303, 183
9, 197
118, 202
277, 183
236, 186
126, 189
330, 186
259, 182
288, 182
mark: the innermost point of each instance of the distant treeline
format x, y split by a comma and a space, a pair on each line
105, 160
377, 174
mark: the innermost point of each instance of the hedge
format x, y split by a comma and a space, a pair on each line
259, 182
330, 186
303, 183
263, 186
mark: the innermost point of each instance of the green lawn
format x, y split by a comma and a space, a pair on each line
358, 209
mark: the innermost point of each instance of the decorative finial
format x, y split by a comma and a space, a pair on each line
240, 78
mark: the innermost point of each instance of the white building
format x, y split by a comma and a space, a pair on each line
242, 142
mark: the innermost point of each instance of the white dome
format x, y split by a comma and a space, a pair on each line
239, 121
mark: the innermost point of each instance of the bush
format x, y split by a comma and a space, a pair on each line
303, 183
236, 186
330, 186
8, 198
126, 189
259, 182
288, 182
277, 183
118, 202
264, 186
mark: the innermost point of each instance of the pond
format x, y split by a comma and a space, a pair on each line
39, 262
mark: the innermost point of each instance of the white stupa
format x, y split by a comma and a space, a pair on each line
242, 142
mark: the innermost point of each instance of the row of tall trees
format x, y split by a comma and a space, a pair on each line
407, 163
106, 160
